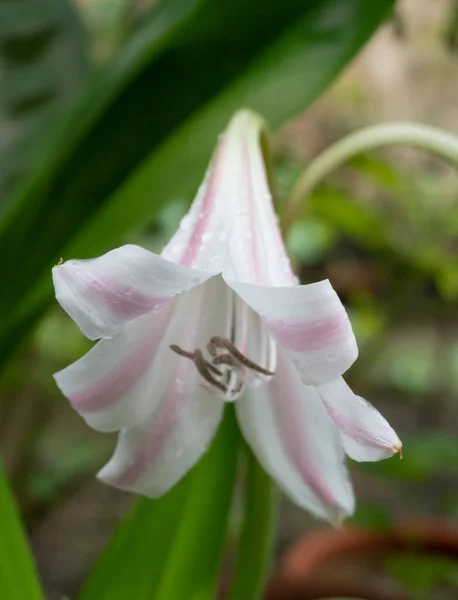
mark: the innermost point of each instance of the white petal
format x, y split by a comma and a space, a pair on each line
310, 322
256, 251
232, 225
293, 437
103, 294
154, 455
366, 435
121, 381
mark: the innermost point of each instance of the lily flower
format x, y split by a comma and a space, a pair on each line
219, 316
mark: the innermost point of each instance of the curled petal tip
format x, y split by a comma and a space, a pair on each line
366, 434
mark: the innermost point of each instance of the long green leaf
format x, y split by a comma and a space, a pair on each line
328, 35
192, 569
18, 578
132, 564
255, 545
90, 192
153, 554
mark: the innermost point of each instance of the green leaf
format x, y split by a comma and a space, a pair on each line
166, 96
18, 578
171, 547
192, 569
255, 545
43, 64
132, 563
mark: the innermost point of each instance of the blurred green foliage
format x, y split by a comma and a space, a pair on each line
428, 454
422, 575
43, 65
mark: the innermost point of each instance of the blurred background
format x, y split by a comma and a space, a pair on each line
384, 229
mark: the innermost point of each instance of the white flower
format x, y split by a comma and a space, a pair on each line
219, 316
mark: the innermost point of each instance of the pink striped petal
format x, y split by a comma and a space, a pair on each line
366, 435
310, 322
201, 240
151, 457
120, 382
293, 437
232, 226
103, 294
112, 386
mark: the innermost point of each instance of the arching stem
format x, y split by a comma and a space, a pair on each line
396, 134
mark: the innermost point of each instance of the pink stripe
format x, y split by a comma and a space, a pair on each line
108, 294
253, 249
289, 420
311, 335
149, 450
122, 302
354, 431
115, 384
208, 203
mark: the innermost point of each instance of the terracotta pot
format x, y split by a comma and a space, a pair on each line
310, 569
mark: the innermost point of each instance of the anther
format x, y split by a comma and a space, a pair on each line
203, 368
202, 365
218, 342
226, 359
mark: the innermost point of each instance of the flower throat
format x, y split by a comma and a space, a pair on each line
225, 371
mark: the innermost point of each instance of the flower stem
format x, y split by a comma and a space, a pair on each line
257, 534
396, 134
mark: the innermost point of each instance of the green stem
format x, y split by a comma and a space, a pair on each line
257, 535
396, 134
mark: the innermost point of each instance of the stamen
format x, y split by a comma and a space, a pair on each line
202, 365
192, 356
218, 342
181, 352
230, 378
226, 359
